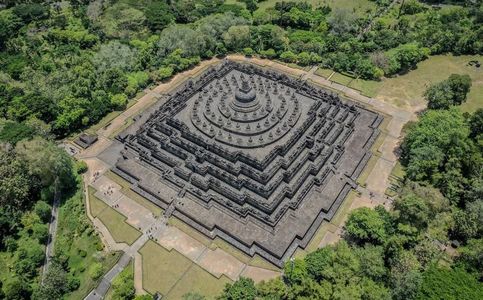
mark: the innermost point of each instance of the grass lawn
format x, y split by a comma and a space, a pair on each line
407, 90
342, 79
198, 280
77, 240
121, 231
173, 275
162, 268
323, 72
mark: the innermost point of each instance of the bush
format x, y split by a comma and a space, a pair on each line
96, 271
248, 52
164, 73
270, 53
81, 167
43, 210
119, 101
288, 56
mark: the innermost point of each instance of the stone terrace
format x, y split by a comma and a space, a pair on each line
249, 155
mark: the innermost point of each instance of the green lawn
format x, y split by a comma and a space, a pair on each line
198, 280
341, 78
121, 231
407, 90
173, 275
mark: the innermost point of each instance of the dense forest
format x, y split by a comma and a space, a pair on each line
65, 65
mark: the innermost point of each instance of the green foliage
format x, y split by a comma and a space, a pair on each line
366, 225
12, 132
119, 101
438, 150
439, 283
449, 92
123, 285
96, 271
51, 164
288, 56
43, 210
158, 15
243, 288
164, 73
122, 21
404, 57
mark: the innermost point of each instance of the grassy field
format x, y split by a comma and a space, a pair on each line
407, 90
173, 275
121, 231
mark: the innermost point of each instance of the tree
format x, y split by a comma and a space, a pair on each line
342, 21
55, 284
51, 164
123, 286
405, 278
182, 37
115, 55
372, 262
405, 56
449, 92
15, 183
412, 210
158, 15
122, 21
476, 124
43, 210
9, 23
438, 150
288, 56
272, 289
237, 37
366, 225
439, 283
242, 289
16, 289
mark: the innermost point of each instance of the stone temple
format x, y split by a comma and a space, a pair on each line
249, 155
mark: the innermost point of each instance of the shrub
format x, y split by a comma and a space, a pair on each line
96, 271
248, 52
288, 56
119, 101
43, 210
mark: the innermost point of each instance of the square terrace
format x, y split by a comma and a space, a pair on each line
249, 155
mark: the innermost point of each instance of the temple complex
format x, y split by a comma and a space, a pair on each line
249, 155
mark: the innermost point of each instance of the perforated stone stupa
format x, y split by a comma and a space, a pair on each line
251, 156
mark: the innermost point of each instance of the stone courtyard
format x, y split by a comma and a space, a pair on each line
249, 155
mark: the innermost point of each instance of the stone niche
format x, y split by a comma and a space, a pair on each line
250, 155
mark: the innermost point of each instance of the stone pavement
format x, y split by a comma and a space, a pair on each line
217, 261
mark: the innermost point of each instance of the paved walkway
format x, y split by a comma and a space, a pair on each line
215, 261
49, 249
